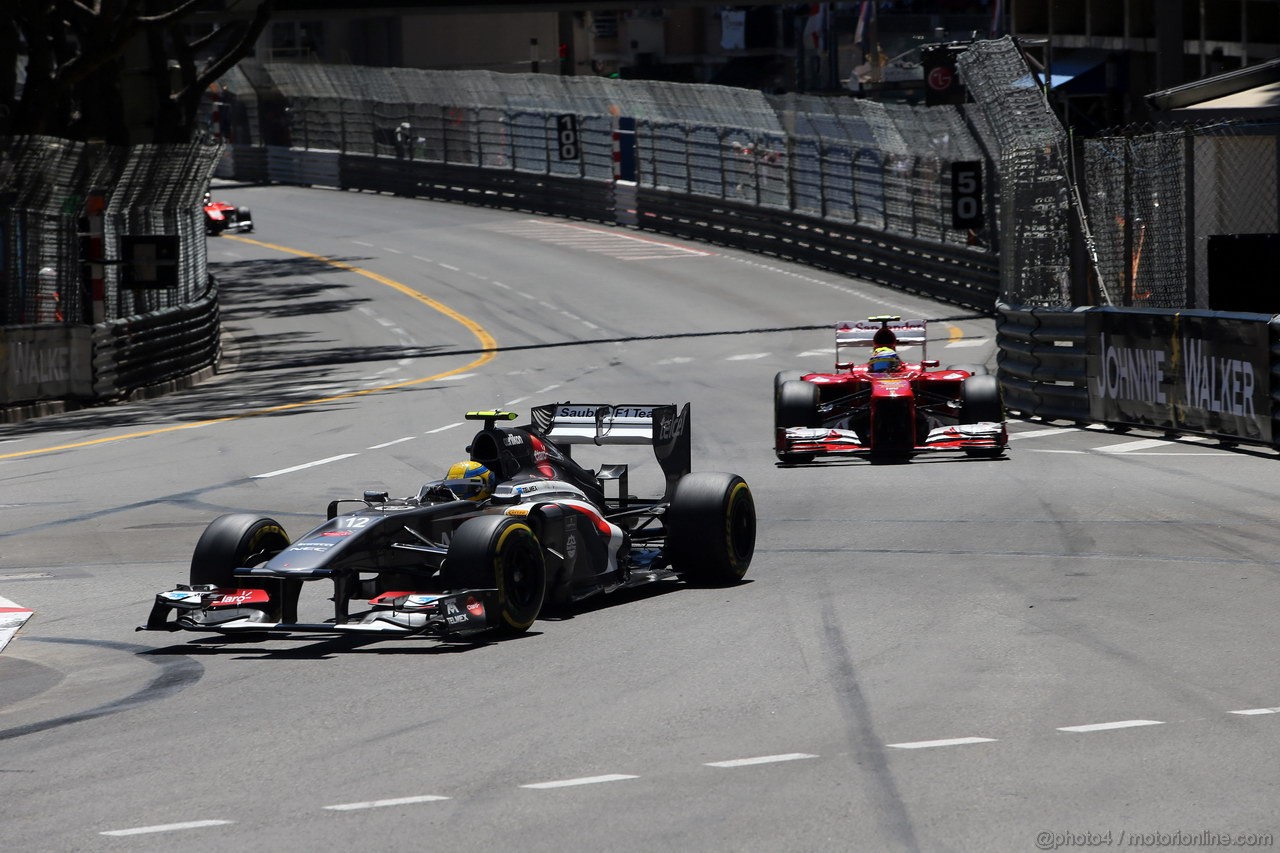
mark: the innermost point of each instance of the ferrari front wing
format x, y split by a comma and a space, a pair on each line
829, 441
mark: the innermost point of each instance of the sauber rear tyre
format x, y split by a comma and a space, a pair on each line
241, 540
795, 403
500, 552
711, 528
973, 369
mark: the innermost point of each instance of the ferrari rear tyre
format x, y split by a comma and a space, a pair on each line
711, 528
981, 400
784, 376
500, 552
234, 541
972, 369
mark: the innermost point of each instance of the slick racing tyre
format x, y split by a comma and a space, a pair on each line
982, 402
500, 552
784, 376
711, 528
971, 369
242, 540
795, 404
244, 219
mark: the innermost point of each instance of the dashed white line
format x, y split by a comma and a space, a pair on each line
503, 286
965, 342
585, 780
516, 400
362, 243
457, 376
424, 260
443, 428
1130, 446
545, 390
303, 466
813, 352
1105, 727
392, 251
166, 827
451, 268
590, 325
762, 759
1038, 433
380, 804
1249, 712
389, 443
679, 359
748, 356
952, 741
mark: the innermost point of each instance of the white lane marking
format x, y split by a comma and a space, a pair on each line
503, 286
389, 443
404, 361
1041, 450
1174, 453
1130, 446
443, 428
365, 309
26, 576
392, 251
478, 276
813, 352
1039, 433
763, 759
516, 400
167, 827
590, 325
965, 342
585, 780
1249, 712
424, 260
679, 359
451, 268
383, 321
457, 376
953, 741
379, 804
545, 390
303, 466
748, 356
1106, 727
362, 243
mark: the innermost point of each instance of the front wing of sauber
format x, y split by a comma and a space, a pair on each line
827, 441
208, 608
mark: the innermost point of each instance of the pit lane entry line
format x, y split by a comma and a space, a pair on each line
488, 346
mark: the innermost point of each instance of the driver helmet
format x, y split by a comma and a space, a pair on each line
884, 360
469, 480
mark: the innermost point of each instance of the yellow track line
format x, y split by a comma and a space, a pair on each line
487, 343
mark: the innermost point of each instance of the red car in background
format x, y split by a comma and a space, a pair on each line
220, 216
885, 407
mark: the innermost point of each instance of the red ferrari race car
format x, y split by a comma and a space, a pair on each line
220, 216
886, 407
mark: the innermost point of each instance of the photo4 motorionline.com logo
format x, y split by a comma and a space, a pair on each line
1124, 838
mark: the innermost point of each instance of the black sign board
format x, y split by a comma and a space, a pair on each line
149, 261
966, 195
567, 136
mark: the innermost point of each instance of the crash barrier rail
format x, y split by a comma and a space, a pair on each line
155, 348
107, 362
1212, 373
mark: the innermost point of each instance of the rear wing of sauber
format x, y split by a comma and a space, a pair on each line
861, 334
664, 426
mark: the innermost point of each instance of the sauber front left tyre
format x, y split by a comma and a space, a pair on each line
711, 528
500, 552
239, 540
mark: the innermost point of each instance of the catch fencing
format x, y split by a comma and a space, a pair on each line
850, 162
46, 216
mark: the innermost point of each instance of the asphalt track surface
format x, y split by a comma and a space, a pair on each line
1073, 644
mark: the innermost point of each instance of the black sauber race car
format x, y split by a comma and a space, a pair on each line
453, 560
